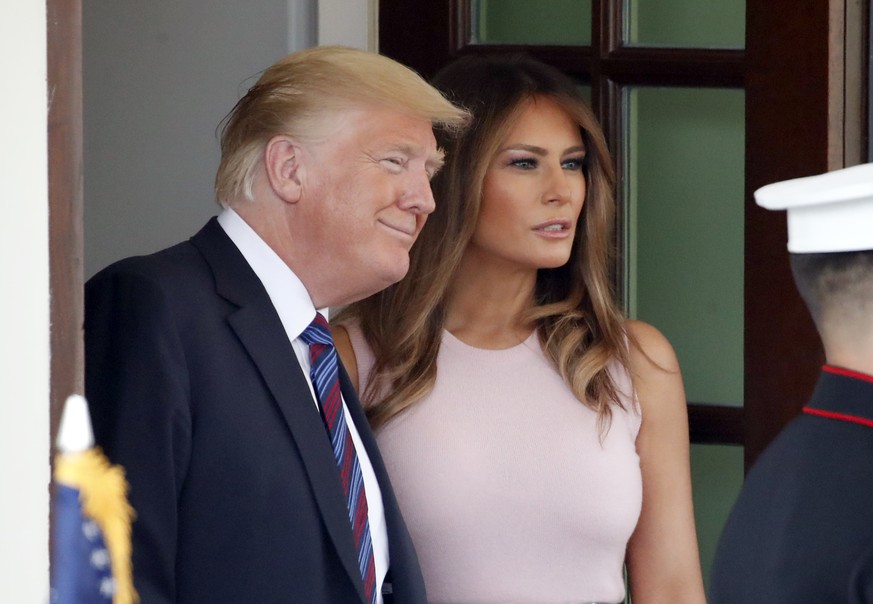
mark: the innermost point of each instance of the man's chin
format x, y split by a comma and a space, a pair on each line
383, 278
392, 274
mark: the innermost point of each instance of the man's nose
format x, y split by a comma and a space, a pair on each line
418, 196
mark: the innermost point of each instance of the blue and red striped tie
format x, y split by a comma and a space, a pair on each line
325, 378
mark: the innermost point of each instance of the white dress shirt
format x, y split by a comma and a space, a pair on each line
296, 311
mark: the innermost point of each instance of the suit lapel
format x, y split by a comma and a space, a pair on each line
260, 331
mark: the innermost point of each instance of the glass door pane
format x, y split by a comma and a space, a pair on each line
684, 151
555, 22
685, 23
716, 478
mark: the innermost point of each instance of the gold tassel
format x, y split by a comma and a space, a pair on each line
103, 494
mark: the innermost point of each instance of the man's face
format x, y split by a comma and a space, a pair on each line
365, 198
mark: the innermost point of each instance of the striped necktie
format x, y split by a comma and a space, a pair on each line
325, 378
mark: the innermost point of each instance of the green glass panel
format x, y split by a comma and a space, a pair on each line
553, 22
716, 479
686, 23
684, 230
585, 91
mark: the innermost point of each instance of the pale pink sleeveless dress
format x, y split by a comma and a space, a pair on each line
508, 492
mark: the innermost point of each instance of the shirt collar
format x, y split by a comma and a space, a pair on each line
287, 293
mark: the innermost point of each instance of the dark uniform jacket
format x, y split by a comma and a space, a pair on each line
195, 389
802, 528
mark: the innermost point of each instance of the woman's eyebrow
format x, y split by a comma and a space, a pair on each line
537, 150
523, 147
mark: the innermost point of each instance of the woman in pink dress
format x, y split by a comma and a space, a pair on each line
537, 439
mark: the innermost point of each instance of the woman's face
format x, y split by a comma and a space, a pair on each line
533, 192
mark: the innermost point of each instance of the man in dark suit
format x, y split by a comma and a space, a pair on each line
802, 528
198, 363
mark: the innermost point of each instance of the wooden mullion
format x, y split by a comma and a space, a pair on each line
716, 424
460, 24
676, 67
575, 61
610, 16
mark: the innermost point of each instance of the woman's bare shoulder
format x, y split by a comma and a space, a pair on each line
649, 349
655, 372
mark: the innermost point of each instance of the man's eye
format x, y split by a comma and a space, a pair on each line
394, 163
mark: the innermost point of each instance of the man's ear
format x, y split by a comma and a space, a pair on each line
282, 157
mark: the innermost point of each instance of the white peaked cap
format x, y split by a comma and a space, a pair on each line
831, 212
75, 434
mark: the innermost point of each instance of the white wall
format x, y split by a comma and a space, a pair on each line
349, 23
24, 305
158, 78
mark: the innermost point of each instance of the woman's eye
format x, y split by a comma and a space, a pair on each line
574, 163
525, 163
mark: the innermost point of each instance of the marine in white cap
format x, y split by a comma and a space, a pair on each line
802, 527
831, 212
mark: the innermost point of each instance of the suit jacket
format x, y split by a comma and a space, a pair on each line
802, 527
195, 389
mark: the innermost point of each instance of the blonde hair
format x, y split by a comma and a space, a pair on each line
578, 320
300, 94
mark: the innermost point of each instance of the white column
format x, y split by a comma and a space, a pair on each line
24, 305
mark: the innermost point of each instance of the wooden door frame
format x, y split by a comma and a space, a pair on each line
65, 169
804, 118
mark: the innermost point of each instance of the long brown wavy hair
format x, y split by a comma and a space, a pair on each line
575, 312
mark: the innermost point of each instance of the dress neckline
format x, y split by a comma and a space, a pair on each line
452, 340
